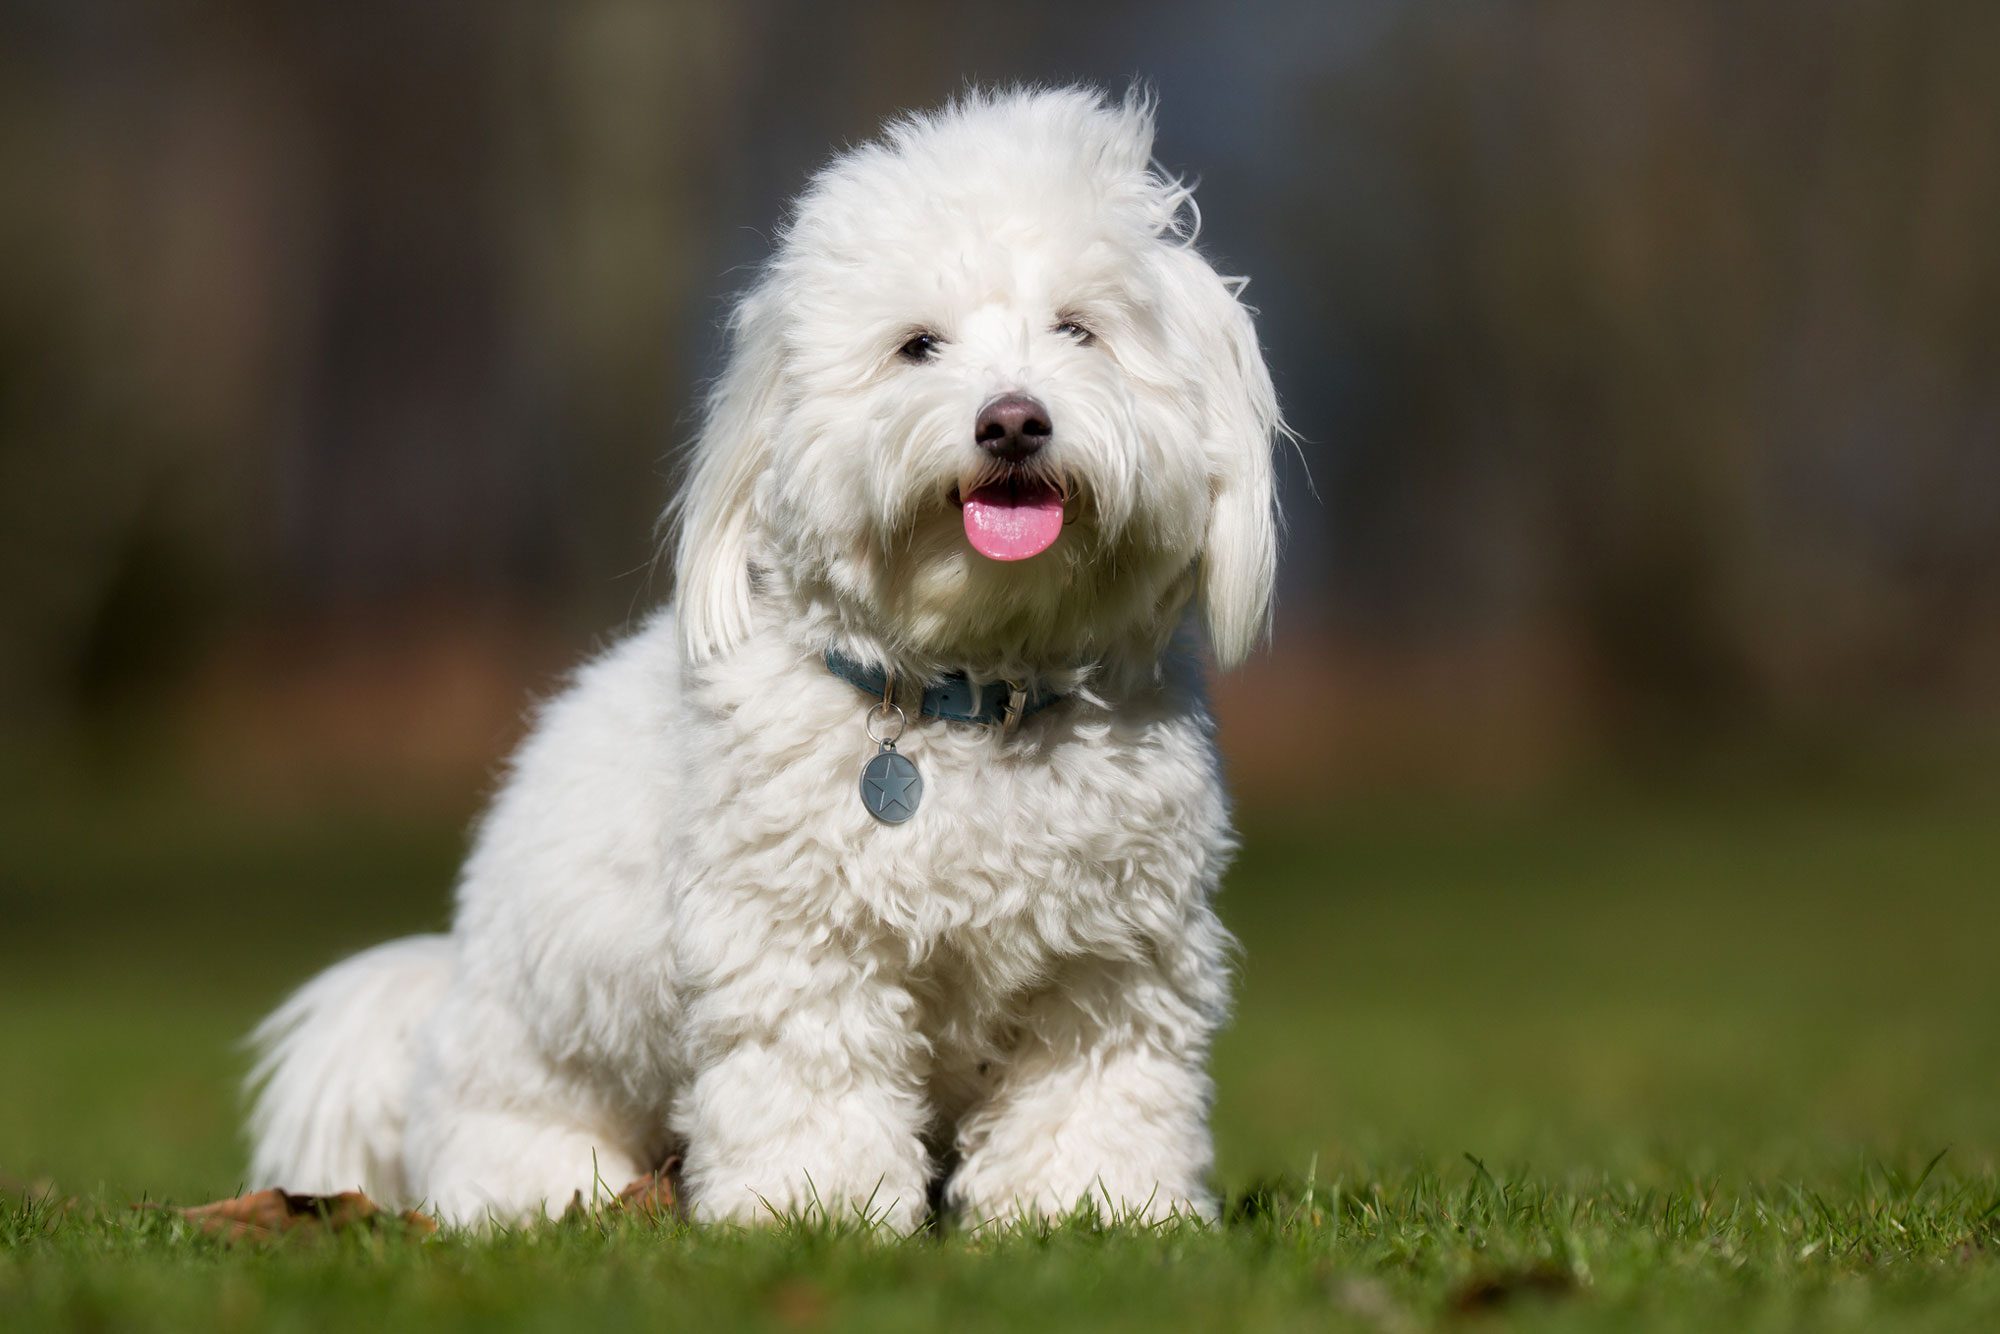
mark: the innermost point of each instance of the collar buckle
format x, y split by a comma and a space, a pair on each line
953, 698
1015, 708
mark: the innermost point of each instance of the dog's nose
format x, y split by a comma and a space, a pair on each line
1013, 427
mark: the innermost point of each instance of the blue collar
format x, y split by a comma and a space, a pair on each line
954, 698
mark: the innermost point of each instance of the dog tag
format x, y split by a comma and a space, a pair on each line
891, 787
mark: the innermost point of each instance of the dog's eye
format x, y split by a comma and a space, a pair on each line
921, 347
1072, 329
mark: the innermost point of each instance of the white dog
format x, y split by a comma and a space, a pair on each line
990, 432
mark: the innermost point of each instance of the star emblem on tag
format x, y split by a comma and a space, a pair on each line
891, 787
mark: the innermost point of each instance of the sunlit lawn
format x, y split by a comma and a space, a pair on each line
1624, 1061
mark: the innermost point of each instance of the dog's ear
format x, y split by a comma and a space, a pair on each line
1239, 554
714, 516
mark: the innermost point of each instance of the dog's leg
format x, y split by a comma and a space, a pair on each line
498, 1133
1104, 1100
808, 1099
510, 1166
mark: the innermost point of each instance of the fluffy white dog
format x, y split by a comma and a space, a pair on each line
990, 432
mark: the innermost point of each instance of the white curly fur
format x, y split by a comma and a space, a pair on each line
679, 930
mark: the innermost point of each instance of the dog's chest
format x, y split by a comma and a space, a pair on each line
1019, 852
1086, 833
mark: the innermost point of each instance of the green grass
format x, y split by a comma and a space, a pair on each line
1709, 1060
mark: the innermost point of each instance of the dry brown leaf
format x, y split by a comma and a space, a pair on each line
651, 1196
273, 1212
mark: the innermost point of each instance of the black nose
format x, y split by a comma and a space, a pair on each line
1012, 427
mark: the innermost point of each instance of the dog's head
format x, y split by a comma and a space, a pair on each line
987, 405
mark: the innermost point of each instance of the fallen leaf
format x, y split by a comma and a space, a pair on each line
273, 1212
652, 1196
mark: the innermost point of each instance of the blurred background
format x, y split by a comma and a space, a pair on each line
1636, 690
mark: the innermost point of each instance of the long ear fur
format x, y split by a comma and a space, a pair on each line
714, 517
1239, 558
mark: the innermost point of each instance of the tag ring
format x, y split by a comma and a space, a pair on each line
883, 711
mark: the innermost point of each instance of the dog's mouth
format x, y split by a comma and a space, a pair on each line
1012, 517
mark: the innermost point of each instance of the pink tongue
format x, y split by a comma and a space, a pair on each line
1013, 521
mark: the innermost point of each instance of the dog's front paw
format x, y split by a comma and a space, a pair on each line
769, 1142
1119, 1133
988, 1193
895, 1199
